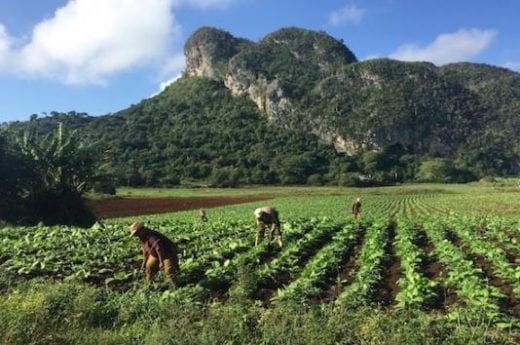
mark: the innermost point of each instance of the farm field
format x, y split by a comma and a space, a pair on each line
424, 264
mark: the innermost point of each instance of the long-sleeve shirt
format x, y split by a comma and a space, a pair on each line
356, 207
156, 244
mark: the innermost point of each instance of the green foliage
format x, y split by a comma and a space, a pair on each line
197, 130
18, 176
442, 170
45, 178
392, 116
50, 313
218, 259
435, 170
61, 160
351, 179
225, 177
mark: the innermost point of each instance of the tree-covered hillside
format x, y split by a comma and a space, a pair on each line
377, 103
196, 129
309, 81
297, 107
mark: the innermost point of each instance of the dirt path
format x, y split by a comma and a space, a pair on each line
122, 207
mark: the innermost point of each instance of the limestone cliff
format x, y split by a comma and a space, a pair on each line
309, 81
265, 71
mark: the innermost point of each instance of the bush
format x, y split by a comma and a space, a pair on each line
316, 180
350, 179
435, 170
104, 185
443, 170
225, 177
170, 181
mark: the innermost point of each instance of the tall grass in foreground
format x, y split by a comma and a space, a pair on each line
64, 313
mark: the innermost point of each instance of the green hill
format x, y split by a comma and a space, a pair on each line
196, 129
297, 107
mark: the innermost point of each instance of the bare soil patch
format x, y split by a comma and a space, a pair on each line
388, 287
123, 207
434, 270
347, 272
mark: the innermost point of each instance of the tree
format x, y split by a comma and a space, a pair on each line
225, 177
17, 178
435, 170
62, 160
64, 167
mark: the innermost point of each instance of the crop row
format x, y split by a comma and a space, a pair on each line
416, 291
495, 255
467, 280
370, 263
406, 207
224, 260
288, 260
317, 274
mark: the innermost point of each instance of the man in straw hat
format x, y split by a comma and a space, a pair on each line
203, 215
158, 251
356, 208
267, 217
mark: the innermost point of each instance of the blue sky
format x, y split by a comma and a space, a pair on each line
100, 56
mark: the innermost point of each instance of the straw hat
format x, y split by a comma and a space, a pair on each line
135, 227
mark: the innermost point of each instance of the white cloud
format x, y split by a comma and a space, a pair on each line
5, 43
174, 66
165, 83
350, 14
462, 45
372, 56
87, 41
205, 4
513, 65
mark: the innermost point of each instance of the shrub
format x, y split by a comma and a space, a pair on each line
316, 180
225, 177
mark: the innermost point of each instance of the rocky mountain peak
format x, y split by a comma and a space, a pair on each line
208, 51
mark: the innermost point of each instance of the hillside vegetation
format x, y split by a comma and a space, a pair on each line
297, 107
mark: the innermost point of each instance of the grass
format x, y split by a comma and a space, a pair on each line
335, 202
280, 191
429, 188
40, 312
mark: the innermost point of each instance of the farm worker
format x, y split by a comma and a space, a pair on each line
202, 215
158, 251
267, 217
356, 208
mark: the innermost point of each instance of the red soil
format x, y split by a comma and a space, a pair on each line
122, 207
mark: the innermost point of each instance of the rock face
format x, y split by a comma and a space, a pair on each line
208, 51
267, 95
265, 71
308, 81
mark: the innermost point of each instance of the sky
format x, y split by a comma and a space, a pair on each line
101, 56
